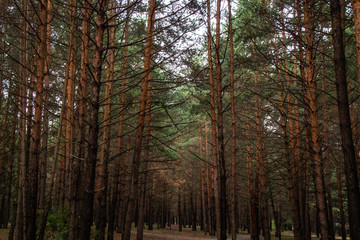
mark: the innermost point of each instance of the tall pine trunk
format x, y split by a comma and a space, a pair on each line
351, 172
33, 170
86, 218
141, 122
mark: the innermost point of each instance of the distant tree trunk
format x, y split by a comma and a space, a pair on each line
351, 172
292, 166
341, 205
209, 186
53, 168
140, 228
86, 218
261, 165
326, 159
141, 122
253, 208
233, 131
179, 210
276, 215
203, 187
32, 183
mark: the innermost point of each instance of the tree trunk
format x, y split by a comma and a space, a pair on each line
140, 228
233, 131
341, 205
253, 208
45, 136
141, 122
101, 192
351, 172
220, 170
261, 165
78, 165
32, 183
310, 78
86, 218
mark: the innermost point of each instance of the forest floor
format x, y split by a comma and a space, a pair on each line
173, 234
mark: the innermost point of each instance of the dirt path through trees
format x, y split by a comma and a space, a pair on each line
173, 234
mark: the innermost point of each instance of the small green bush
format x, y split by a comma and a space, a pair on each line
57, 226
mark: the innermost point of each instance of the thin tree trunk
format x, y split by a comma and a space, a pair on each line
53, 167
203, 187
341, 205
233, 130
141, 122
140, 227
326, 159
261, 165
122, 166
220, 170
253, 209
214, 154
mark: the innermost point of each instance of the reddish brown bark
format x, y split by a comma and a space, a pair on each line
310, 81
141, 122
102, 187
33, 170
78, 165
69, 110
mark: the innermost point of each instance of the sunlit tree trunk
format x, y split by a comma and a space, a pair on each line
310, 81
